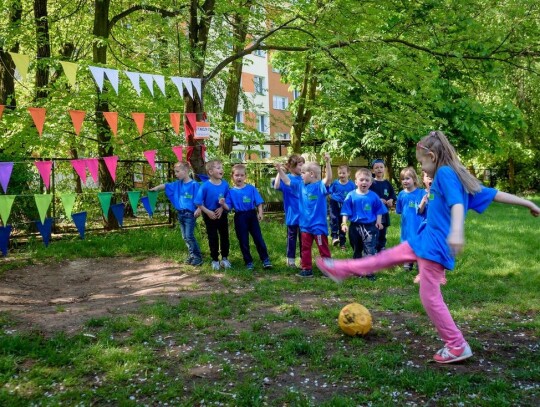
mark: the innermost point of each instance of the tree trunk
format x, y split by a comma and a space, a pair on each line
43, 49
303, 112
7, 67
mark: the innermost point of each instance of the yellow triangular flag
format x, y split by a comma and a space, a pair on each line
70, 69
21, 63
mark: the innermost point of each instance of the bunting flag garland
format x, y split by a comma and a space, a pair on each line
45, 230
80, 222
138, 118
38, 115
70, 70
146, 203
5, 174
45, 168
196, 82
177, 150
112, 119
93, 168
179, 84
43, 201
118, 212
105, 201
160, 82
68, 200
151, 158
190, 124
112, 76
99, 75
5, 231
134, 77
111, 162
77, 118
2, 110
152, 199
175, 122
149, 80
6, 202
133, 197
188, 85
22, 62
79, 166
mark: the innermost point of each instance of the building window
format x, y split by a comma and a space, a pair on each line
296, 94
259, 85
262, 123
264, 154
259, 53
280, 102
282, 136
276, 70
238, 155
239, 122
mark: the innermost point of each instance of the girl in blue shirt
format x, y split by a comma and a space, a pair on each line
440, 239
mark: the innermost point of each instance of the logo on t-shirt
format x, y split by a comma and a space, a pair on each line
367, 207
431, 196
312, 197
412, 204
385, 192
187, 195
246, 199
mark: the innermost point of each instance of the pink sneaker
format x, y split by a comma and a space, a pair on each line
451, 355
327, 267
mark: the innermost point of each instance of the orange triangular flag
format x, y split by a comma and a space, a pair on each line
112, 119
138, 118
175, 122
1, 110
77, 117
38, 114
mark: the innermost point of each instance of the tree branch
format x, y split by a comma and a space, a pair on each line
143, 7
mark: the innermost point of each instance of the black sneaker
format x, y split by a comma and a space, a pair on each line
266, 264
305, 274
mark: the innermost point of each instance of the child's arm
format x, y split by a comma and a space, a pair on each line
210, 213
456, 239
159, 187
282, 176
344, 226
328, 176
504, 197
260, 213
378, 223
277, 181
423, 203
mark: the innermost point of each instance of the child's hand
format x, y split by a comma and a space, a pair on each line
197, 213
221, 201
456, 241
389, 203
218, 212
379, 226
326, 157
345, 228
535, 210
260, 216
278, 166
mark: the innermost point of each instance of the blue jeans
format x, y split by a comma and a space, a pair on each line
246, 223
335, 222
186, 220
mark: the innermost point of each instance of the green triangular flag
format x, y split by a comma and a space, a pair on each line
105, 200
152, 199
134, 197
68, 200
42, 202
6, 201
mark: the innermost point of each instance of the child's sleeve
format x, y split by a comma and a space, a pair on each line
480, 201
399, 204
346, 209
379, 208
199, 198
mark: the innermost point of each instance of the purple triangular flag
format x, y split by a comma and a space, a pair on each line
45, 230
5, 174
147, 206
80, 222
118, 212
5, 231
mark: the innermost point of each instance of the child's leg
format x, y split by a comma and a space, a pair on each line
255, 231
381, 239
292, 236
335, 219
322, 243
307, 242
355, 239
431, 276
341, 233
213, 239
223, 228
241, 227
370, 235
188, 233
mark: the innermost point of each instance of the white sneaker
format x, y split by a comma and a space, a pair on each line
215, 265
225, 263
291, 262
451, 355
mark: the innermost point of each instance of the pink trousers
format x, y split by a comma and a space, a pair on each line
432, 275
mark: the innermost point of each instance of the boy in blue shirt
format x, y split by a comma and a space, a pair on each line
383, 188
211, 201
247, 202
181, 193
338, 191
313, 209
365, 211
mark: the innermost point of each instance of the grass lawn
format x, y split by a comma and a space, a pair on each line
270, 338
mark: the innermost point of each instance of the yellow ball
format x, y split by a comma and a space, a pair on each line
354, 319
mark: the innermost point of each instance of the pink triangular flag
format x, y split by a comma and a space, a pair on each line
93, 167
80, 168
38, 114
177, 150
110, 163
175, 122
138, 118
44, 168
77, 118
5, 174
112, 119
151, 158
2, 110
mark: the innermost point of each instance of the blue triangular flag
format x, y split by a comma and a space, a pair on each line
45, 230
5, 231
147, 206
118, 212
80, 222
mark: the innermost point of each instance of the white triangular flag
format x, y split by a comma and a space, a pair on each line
187, 85
178, 82
134, 78
112, 75
149, 80
98, 74
197, 84
160, 81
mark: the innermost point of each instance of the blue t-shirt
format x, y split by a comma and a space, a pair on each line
209, 194
244, 199
446, 191
407, 206
339, 191
181, 194
385, 191
313, 207
363, 208
291, 201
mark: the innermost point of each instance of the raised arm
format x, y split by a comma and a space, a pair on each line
159, 187
281, 175
505, 197
327, 180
